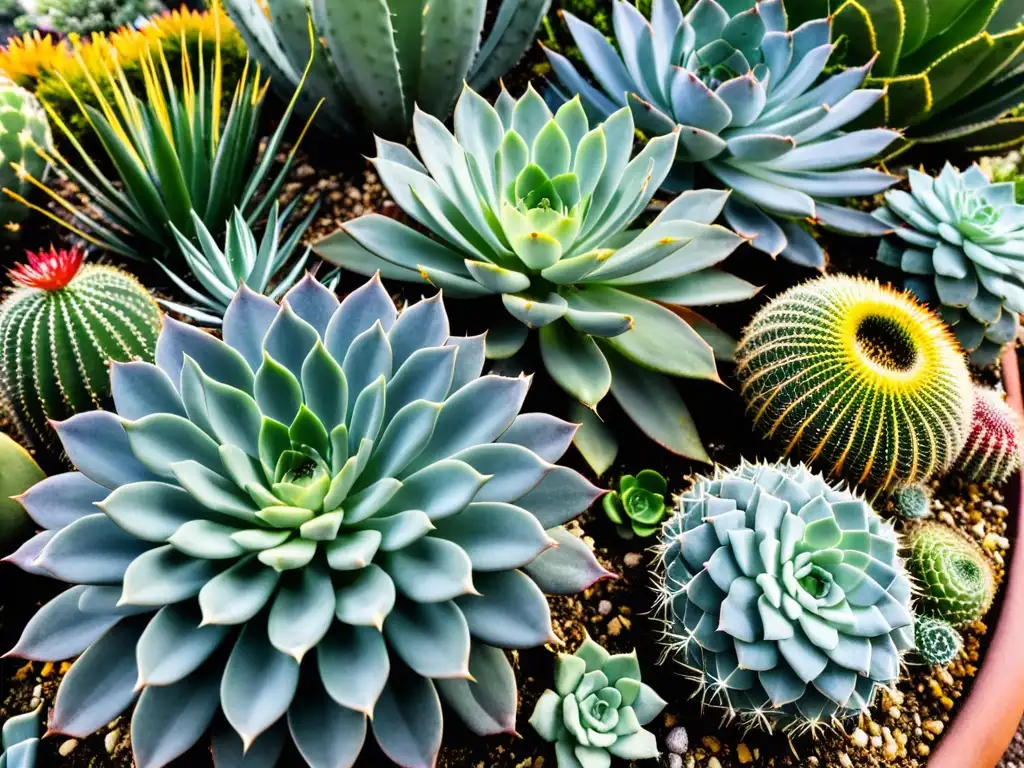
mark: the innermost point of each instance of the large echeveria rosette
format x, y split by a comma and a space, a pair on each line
783, 595
535, 207
333, 496
959, 239
751, 108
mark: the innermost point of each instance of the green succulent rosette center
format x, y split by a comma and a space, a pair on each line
976, 215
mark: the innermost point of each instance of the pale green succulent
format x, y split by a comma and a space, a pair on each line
535, 207
957, 580
937, 643
784, 596
332, 493
20, 740
959, 239
598, 709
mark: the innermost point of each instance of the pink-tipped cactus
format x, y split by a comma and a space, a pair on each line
993, 449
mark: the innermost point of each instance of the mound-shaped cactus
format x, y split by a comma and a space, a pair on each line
937, 643
598, 709
859, 379
956, 579
334, 479
913, 501
993, 449
784, 595
20, 740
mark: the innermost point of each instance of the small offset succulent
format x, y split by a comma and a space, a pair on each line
956, 579
23, 125
638, 507
20, 739
59, 329
960, 242
332, 493
220, 273
598, 709
18, 473
913, 501
936, 642
783, 596
993, 449
744, 95
377, 62
859, 379
534, 207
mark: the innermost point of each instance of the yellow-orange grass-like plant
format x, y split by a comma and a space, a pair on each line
170, 148
858, 378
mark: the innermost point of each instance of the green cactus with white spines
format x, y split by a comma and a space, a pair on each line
857, 378
956, 579
937, 642
59, 329
23, 126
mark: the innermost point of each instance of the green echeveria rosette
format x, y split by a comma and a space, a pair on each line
956, 580
913, 502
751, 107
783, 596
598, 709
959, 239
20, 740
335, 495
535, 207
638, 507
937, 642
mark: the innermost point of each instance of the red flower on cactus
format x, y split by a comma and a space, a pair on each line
48, 270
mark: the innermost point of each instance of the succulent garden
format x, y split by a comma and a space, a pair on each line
510, 383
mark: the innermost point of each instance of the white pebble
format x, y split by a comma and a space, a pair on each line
68, 747
674, 760
604, 607
111, 739
677, 740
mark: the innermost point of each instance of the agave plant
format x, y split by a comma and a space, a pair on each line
170, 151
534, 207
950, 68
784, 596
960, 241
333, 491
741, 90
382, 59
221, 272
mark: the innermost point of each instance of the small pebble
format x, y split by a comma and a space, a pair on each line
111, 739
632, 560
712, 743
68, 747
713, 763
604, 607
845, 761
933, 726
677, 740
860, 738
674, 760
743, 754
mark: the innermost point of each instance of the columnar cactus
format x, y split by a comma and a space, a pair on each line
857, 378
23, 127
20, 740
598, 709
993, 449
956, 579
59, 329
937, 643
913, 501
332, 493
784, 596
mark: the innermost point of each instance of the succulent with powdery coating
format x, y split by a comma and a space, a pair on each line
993, 449
937, 643
59, 329
959, 240
913, 501
23, 126
859, 379
20, 740
332, 493
598, 709
752, 109
956, 579
783, 596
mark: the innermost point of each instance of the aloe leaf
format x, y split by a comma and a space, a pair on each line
450, 40
515, 25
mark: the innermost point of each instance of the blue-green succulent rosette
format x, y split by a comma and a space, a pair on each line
751, 107
332, 497
20, 740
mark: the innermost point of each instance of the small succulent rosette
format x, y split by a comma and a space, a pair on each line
598, 709
638, 507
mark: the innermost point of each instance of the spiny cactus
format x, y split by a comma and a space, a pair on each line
993, 449
956, 579
20, 739
784, 596
858, 378
913, 501
937, 643
638, 507
598, 709
23, 126
332, 494
59, 328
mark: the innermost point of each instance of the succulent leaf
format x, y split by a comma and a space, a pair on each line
638, 507
21, 739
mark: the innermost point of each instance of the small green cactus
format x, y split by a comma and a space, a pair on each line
638, 507
18, 473
993, 451
956, 579
938, 643
23, 124
59, 328
913, 501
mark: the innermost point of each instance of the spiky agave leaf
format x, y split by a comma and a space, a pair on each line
744, 93
333, 494
784, 596
536, 207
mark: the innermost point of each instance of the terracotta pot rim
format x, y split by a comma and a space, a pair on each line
988, 717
